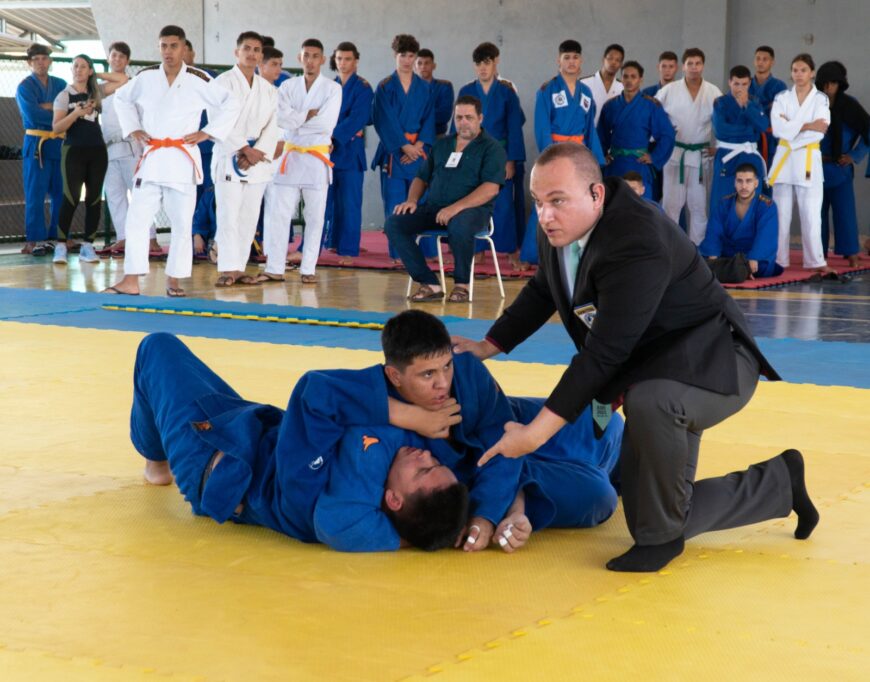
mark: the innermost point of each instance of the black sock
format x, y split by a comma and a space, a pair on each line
647, 558
808, 515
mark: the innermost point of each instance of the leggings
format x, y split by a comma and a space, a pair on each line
82, 166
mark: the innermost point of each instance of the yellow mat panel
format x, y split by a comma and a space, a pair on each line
104, 578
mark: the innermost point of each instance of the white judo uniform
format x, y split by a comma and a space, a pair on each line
686, 175
239, 193
302, 172
169, 170
796, 172
124, 154
601, 94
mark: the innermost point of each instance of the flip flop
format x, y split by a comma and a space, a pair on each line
116, 290
248, 281
265, 277
225, 281
309, 279
175, 292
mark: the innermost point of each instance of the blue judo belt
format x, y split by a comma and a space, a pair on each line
236, 168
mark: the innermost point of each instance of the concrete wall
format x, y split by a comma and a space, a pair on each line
528, 35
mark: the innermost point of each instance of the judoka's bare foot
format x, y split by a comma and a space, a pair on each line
128, 285
808, 515
825, 270
647, 558
157, 473
198, 245
853, 260
294, 258
345, 260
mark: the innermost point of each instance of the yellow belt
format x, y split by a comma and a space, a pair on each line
321, 151
43, 135
809, 165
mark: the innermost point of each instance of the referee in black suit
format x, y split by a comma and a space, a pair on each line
655, 332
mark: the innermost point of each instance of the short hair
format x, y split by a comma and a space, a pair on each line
426, 53
766, 48
632, 176
268, 41
694, 52
122, 47
739, 71
413, 334
484, 51
570, 46
271, 53
806, 59
344, 46
746, 168
312, 42
615, 46
432, 520
38, 49
668, 56
189, 45
248, 35
470, 100
631, 64
176, 31
405, 42
585, 163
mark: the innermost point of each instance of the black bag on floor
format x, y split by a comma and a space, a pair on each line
731, 269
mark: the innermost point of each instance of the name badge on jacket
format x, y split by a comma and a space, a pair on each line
586, 314
453, 160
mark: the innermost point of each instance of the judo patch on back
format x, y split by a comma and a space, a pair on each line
586, 314
560, 99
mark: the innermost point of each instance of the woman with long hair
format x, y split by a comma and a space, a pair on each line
800, 117
844, 147
83, 156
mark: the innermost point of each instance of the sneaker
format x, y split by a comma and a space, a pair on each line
87, 253
59, 254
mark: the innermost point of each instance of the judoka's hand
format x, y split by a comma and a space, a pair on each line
141, 136
479, 349
479, 534
510, 169
48, 106
243, 162
312, 113
644, 159
753, 266
845, 160
253, 156
195, 138
820, 125
437, 423
446, 214
412, 152
742, 98
513, 532
405, 207
710, 151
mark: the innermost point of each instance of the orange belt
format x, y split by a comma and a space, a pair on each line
319, 151
764, 143
568, 138
164, 143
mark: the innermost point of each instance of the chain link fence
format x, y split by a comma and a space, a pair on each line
12, 71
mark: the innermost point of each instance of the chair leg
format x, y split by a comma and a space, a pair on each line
497, 267
441, 265
471, 279
411, 279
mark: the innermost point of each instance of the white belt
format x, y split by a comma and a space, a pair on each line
735, 148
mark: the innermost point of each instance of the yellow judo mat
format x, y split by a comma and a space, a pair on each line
105, 578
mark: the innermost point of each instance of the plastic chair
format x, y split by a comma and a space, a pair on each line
484, 235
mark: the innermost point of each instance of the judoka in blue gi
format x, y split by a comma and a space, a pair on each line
627, 125
564, 111
667, 67
205, 224
764, 87
742, 232
344, 201
503, 119
404, 118
844, 146
442, 90
423, 386
738, 121
35, 97
296, 472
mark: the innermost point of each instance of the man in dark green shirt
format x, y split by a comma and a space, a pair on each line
463, 175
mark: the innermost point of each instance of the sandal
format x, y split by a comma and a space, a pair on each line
175, 292
426, 293
458, 295
248, 281
116, 290
309, 279
225, 281
264, 277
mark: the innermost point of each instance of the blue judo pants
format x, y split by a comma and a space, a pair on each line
344, 212
840, 201
39, 182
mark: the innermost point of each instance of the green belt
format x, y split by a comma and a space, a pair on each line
620, 151
686, 147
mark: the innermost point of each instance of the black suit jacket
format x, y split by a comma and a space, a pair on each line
659, 313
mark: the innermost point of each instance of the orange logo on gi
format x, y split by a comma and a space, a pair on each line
369, 440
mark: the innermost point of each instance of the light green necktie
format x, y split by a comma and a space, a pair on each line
572, 262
